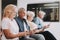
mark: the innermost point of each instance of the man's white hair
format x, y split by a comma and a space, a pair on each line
41, 12
30, 13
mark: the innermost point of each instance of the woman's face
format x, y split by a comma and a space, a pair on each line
12, 13
41, 16
30, 18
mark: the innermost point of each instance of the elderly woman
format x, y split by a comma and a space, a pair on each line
33, 26
9, 26
39, 21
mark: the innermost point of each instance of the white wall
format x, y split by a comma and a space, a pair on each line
23, 3
54, 27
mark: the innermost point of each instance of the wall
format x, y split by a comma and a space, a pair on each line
23, 3
54, 26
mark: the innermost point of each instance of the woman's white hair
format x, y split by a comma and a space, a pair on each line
30, 13
41, 12
9, 7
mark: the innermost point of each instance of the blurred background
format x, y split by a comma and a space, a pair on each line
50, 7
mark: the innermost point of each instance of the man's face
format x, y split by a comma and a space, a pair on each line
22, 14
41, 16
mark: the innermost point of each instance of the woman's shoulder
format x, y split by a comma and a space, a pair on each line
5, 20
33, 23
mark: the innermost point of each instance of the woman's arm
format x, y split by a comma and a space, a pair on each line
38, 30
9, 35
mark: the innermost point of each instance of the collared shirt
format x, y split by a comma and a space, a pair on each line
39, 22
25, 29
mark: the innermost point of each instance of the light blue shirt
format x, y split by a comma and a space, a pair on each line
38, 21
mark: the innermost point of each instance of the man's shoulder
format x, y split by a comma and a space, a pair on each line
36, 18
16, 18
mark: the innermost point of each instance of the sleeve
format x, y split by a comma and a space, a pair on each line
36, 21
5, 24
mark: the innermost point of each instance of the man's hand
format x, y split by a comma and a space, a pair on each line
32, 32
47, 26
22, 34
27, 33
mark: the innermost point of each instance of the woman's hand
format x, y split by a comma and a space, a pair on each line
37, 31
22, 34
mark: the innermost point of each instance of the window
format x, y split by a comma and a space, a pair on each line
51, 10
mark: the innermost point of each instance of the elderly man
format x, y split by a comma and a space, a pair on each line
23, 26
39, 21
